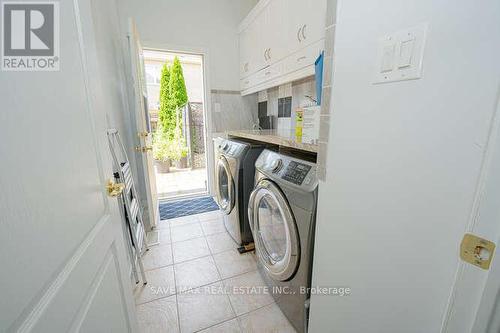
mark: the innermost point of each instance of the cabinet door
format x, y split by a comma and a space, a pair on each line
252, 48
245, 48
314, 27
275, 31
306, 22
258, 42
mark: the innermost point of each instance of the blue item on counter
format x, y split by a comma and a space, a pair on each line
318, 67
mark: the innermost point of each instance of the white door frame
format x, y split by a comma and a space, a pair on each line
145, 159
207, 100
474, 292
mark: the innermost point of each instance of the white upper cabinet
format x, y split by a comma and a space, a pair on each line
258, 44
305, 23
250, 53
244, 40
277, 38
263, 40
274, 36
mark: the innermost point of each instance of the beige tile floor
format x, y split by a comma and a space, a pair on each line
198, 282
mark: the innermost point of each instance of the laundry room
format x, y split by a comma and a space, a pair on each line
256, 166
254, 225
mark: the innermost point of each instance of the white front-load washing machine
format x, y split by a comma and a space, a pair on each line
282, 215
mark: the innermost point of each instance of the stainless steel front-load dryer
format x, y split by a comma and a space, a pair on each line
234, 180
282, 214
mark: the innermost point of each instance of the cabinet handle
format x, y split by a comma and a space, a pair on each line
304, 31
298, 35
265, 54
301, 58
246, 67
269, 53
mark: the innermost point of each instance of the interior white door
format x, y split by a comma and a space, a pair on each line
62, 254
144, 137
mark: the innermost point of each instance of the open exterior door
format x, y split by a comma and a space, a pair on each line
144, 154
62, 252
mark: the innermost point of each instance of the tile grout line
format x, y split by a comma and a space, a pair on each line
203, 285
229, 298
224, 286
175, 281
237, 318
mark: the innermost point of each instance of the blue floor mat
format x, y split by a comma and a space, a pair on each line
173, 209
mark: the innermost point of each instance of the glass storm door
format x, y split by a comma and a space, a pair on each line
274, 230
225, 186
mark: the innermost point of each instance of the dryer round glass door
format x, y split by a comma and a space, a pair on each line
225, 186
274, 230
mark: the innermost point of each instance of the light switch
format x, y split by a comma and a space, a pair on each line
400, 55
406, 53
388, 58
217, 107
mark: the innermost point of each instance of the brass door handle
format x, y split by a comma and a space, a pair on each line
114, 189
143, 149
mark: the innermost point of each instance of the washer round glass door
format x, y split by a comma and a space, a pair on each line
274, 230
225, 186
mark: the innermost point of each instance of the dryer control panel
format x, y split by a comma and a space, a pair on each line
296, 172
286, 168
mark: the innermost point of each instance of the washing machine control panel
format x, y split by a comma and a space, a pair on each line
293, 171
231, 148
296, 172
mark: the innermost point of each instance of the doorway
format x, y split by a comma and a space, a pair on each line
180, 164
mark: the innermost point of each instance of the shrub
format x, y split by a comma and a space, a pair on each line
168, 142
164, 113
162, 149
177, 96
178, 92
178, 146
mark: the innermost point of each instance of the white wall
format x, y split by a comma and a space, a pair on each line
211, 25
404, 162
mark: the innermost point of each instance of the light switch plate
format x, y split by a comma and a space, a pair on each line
217, 107
400, 55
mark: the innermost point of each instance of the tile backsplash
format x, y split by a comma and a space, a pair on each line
283, 100
326, 103
231, 111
